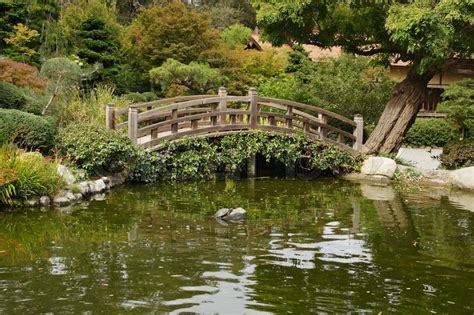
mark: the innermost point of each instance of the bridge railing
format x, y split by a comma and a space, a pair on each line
151, 123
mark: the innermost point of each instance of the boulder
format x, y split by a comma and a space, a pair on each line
229, 214
66, 175
84, 188
379, 166
463, 178
45, 201
98, 186
61, 201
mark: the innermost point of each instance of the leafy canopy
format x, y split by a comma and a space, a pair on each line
198, 78
459, 104
423, 31
172, 31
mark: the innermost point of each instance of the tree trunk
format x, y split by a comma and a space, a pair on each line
399, 114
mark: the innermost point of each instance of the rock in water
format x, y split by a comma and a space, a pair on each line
228, 214
221, 213
236, 214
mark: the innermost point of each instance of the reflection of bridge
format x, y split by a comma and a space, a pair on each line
151, 123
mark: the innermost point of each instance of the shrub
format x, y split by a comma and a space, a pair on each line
140, 97
26, 130
235, 35
62, 73
458, 154
25, 174
20, 74
11, 96
459, 105
95, 149
431, 132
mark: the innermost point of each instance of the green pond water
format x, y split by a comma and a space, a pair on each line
320, 246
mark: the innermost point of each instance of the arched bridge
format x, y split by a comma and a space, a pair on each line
151, 123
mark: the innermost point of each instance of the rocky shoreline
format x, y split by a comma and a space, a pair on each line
385, 170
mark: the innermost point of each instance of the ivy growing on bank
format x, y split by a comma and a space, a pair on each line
201, 158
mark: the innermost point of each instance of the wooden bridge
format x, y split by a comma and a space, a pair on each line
151, 123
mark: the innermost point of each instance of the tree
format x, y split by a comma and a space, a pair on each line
20, 74
19, 41
172, 31
431, 35
198, 78
235, 35
459, 104
99, 45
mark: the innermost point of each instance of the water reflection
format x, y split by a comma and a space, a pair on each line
308, 247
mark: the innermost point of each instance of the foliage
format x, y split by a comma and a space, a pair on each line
200, 158
140, 97
19, 41
224, 13
85, 108
25, 174
430, 35
347, 85
459, 105
248, 68
62, 72
20, 74
171, 31
198, 78
100, 45
11, 96
26, 130
95, 149
431, 132
458, 154
235, 35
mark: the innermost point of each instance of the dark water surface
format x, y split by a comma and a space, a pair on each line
322, 246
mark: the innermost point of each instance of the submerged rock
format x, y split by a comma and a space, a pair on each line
229, 214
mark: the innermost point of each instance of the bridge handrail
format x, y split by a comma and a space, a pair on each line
200, 114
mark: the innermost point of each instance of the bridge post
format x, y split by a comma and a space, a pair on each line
133, 124
110, 116
253, 108
222, 104
358, 132
252, 166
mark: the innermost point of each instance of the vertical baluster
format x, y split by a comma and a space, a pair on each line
271, 120
110, 116
154, 133
233, 119
340, 138
174, 115
213, 114
194, 124
222, 104
321, 130
289, 121
133, 124
253, 108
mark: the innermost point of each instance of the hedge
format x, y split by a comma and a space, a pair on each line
26, 130
11, 96
431, 132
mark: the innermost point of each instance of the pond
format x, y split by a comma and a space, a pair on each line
318, 246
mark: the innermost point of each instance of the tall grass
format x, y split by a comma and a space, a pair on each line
25, 174
88, 108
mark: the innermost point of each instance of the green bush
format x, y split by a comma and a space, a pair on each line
141, 97
25, 174
11, 96
95, 149
458, 154
431, 132
200, 158
26, 130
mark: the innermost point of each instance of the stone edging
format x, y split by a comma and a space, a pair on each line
86, 189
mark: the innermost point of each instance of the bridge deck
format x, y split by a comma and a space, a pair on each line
151, 123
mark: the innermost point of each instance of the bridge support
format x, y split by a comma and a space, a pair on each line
358, 132
290, 172
252, 166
